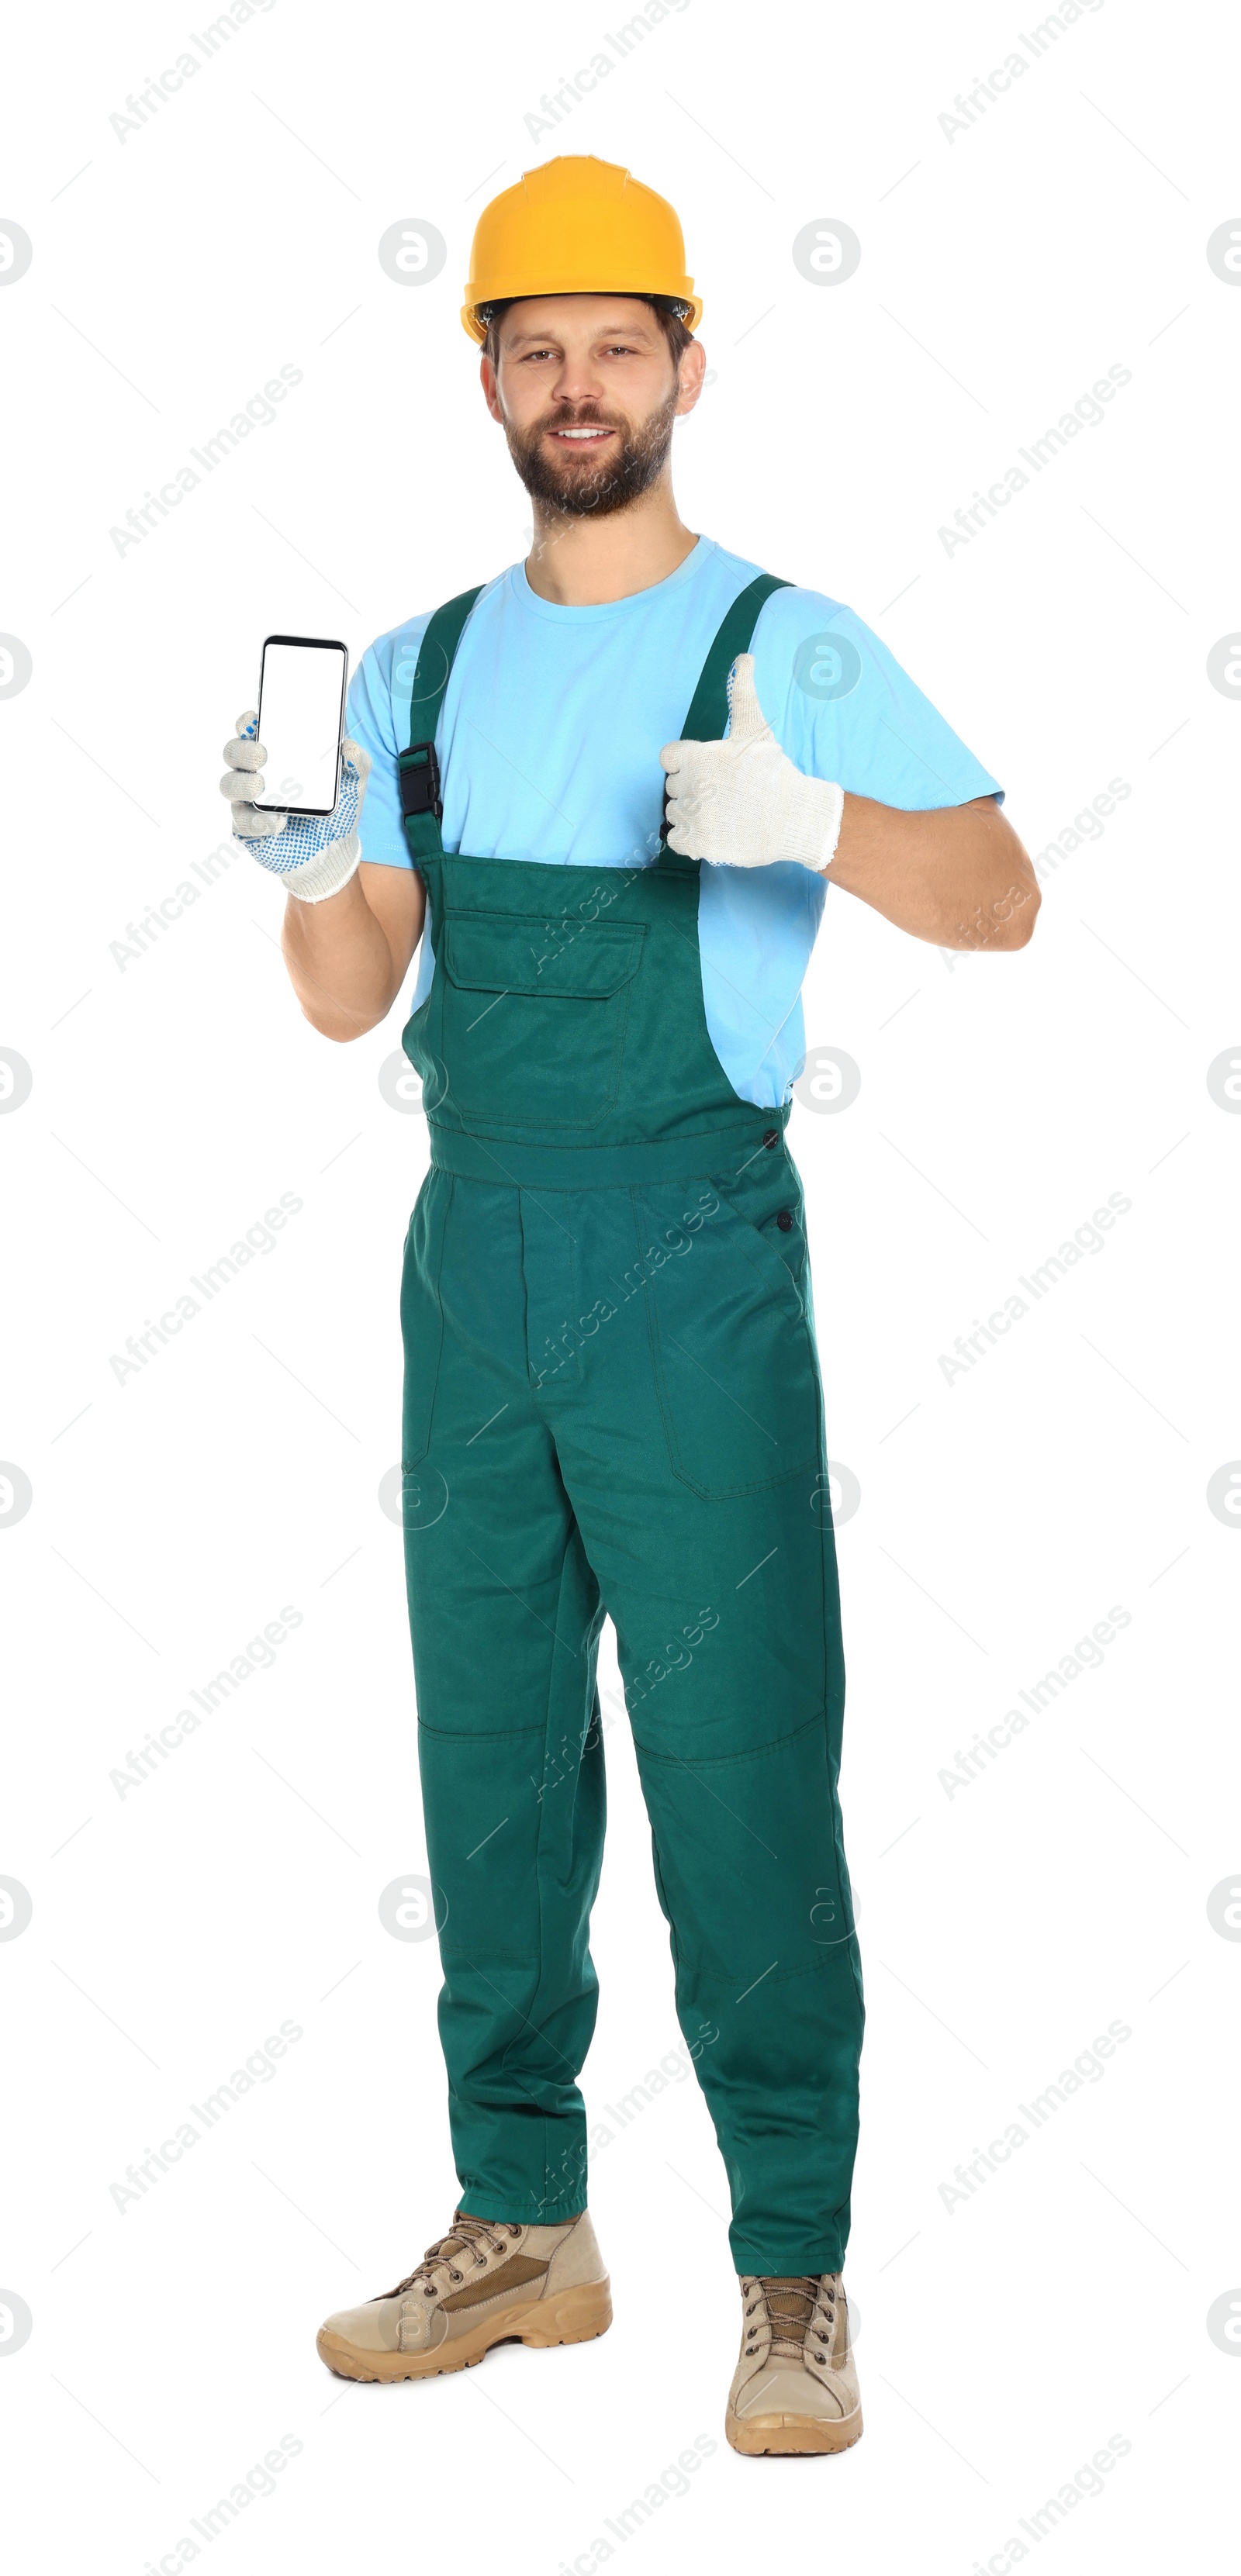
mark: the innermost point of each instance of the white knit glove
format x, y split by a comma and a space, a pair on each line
315, 855
742, 802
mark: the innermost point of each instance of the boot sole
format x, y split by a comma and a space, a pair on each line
572, 2316
786, 2436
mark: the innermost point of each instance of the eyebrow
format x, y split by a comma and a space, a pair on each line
616, 331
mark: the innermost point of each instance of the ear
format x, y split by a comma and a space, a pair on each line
490, 383
692, 369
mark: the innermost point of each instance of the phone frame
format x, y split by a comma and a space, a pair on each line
267, 804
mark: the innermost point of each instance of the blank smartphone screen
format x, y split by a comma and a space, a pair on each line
301, 702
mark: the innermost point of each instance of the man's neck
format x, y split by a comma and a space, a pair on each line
582, 563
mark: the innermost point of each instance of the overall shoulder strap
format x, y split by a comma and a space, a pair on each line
708, 709
421, 804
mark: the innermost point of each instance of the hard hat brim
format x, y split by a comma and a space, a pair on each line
501, 290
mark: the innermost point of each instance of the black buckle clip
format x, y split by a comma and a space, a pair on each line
420, 781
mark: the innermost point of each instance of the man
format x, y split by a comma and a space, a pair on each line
612, 1399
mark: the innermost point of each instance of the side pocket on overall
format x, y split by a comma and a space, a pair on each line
422, 1320
735, 1363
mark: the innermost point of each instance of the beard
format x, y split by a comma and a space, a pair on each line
579, 487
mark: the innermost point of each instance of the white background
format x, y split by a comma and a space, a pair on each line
176, 1095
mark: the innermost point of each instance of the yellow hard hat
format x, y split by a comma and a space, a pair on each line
577, 226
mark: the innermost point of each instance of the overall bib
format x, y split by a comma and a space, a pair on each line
612, 1406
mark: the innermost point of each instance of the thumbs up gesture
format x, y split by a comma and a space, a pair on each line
743, 803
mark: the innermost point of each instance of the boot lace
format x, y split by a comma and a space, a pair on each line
793, 2314
445, 2262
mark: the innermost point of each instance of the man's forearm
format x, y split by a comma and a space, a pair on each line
347, 956
958, 876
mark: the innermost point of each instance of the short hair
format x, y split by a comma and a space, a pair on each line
668, 313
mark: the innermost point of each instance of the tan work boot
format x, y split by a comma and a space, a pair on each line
795, 2387
486, 2282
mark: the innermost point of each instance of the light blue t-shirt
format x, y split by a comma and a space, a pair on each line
549, 741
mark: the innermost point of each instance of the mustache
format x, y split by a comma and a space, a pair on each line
585, 416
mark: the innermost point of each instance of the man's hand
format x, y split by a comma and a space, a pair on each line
955, 874
352, 930
243, 780
742, 802
315, 855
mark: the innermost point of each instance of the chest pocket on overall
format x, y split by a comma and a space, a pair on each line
534, 1016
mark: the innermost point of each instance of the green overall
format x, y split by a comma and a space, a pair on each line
612, 1405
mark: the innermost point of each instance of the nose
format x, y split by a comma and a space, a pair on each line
576, 383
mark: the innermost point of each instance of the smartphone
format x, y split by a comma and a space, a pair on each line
301, 721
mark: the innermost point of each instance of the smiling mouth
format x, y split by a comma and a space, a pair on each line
582, 437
